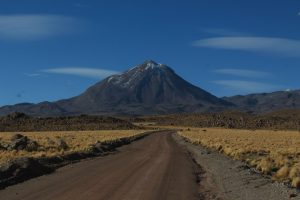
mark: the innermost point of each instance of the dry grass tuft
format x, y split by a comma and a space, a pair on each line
294, 172
282, 173
296, 182
275, 153
59, 143
265, 165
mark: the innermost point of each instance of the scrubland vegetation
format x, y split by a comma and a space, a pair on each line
46, 144
20, 122
274, 153
279, 120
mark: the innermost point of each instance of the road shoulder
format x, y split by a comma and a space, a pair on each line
224, 178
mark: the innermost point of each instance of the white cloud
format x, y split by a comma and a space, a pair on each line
32, 74
247, 86
80, 71
223, 32
243, 73
278, 46
24, 27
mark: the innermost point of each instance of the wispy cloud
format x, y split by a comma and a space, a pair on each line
243, 73
80, 71
24, 27
278, 46
248, 86
223, 32
32, 74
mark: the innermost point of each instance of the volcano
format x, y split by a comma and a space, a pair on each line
146, 89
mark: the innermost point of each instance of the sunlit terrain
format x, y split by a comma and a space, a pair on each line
275, 153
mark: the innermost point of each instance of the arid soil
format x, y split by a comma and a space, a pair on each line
155, 167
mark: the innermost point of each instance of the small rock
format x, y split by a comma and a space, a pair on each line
98, 146
22, 169
18, 142
16, 137
2, 147
32, 146
61, 144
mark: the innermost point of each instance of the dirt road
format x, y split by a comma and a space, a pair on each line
155, 167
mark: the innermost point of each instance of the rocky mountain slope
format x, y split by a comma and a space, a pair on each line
266, 102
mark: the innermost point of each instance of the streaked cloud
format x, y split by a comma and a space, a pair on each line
243, 73
32, 27
84, 72
223, 32
278, 46
32, 74
247, 86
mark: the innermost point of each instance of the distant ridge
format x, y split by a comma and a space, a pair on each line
266, 102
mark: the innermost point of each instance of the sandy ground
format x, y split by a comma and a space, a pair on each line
224, 178
155, 167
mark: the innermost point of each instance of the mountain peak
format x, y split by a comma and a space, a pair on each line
151, 64
147, 69
146, 66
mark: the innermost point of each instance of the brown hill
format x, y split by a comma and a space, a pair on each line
281, 120
21, 122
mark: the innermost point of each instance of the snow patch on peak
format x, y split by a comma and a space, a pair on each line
134, 74
133, 68
152, 65
110, 79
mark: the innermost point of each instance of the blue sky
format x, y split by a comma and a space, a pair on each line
54, 49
